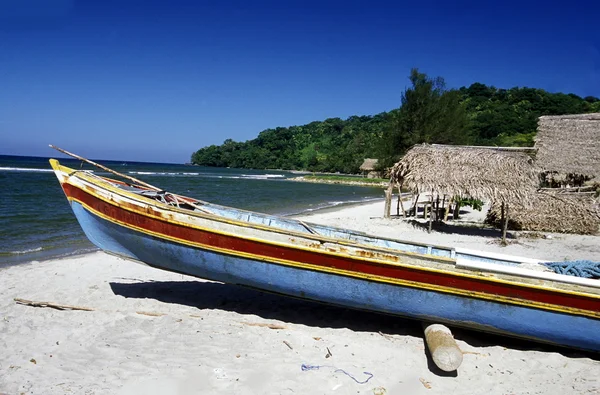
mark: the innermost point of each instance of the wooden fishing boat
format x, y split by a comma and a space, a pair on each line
483, 291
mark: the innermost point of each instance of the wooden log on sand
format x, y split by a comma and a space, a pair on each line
443, 348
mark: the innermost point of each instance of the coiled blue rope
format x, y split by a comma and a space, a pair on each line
582, 268
306, 367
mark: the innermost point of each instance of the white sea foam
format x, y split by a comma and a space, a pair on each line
261, 176
162, 173
208, 175
26, 251
25, 169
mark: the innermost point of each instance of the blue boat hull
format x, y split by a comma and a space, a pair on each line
422, 304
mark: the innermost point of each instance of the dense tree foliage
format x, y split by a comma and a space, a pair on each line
429, 112
330, 145
509, 117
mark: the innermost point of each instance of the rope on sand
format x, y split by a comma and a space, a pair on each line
317, 367
582, 268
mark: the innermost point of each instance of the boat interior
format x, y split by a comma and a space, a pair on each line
459, 260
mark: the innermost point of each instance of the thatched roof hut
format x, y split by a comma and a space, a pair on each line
369, 164
368, 168
569, 144
480, 173
553, 212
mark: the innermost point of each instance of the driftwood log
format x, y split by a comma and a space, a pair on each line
443, 348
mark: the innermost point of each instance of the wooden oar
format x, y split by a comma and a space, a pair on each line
106, 168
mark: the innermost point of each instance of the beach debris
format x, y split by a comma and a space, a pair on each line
443, 348
33, 361
265, 325
329, 354
317, 338
476, 353
51, 305
425, 383
72, 307
379, 391
306, 367
150, 313
288, 344
389, 337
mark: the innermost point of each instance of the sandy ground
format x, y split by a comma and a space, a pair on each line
154, 332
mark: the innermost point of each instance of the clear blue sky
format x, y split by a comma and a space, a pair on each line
156, 80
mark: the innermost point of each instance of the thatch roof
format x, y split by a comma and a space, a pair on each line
552, 212
569, 144
475, 172
368, 165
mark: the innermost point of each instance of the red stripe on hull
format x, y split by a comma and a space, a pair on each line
266, 250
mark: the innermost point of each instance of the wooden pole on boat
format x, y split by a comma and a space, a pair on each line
105, 168
443, 348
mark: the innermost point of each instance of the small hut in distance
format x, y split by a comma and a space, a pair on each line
369, 168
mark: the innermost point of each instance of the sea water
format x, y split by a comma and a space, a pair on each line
36, 221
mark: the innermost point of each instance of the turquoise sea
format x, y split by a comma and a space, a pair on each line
36, 222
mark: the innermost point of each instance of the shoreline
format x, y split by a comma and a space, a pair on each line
335, 208
340, 182
156, 332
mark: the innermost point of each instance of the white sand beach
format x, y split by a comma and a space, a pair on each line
154, 332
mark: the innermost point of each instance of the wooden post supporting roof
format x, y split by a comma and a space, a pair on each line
505, 225
400, 200
388, 201
431, 214
448, 211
